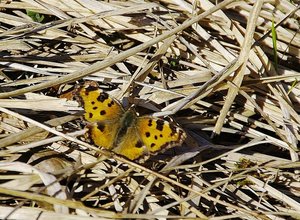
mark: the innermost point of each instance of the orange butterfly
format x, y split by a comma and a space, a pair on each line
123, 132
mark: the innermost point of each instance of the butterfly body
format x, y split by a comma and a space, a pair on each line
123, 132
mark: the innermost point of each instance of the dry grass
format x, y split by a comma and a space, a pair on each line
212, 67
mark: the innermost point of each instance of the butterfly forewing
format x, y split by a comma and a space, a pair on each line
158, 134
104, 133
98, 105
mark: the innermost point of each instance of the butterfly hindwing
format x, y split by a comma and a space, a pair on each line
104, 133
146, 136
131, 145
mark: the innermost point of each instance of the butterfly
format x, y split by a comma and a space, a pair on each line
123, 132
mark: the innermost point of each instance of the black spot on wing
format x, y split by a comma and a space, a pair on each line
95, 108
102, 112
90, 89
150, 122
111, 104
90, 115
102, 97
173, 129
152, 145
160, 124
147, 134
101, 127
139, 144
